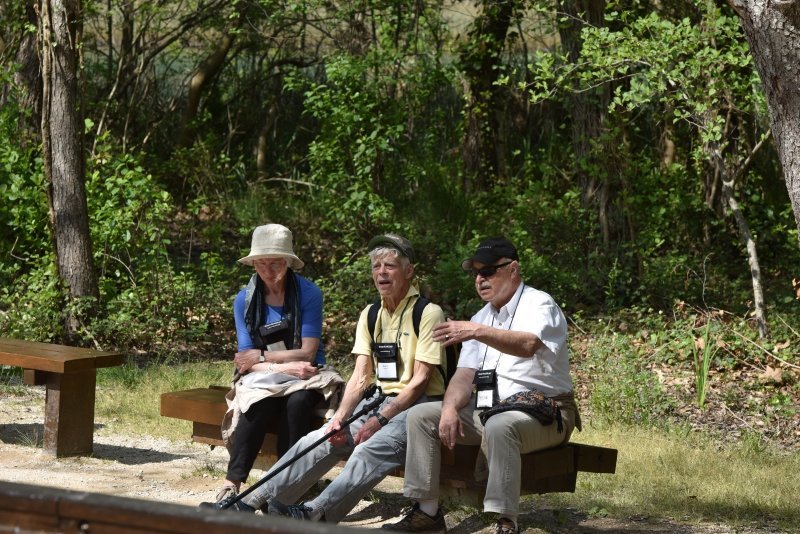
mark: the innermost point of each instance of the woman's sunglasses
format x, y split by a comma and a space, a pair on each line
488, 271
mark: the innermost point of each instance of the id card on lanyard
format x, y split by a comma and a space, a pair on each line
386, 354
485, 388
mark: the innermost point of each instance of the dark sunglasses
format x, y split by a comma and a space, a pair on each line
488, 271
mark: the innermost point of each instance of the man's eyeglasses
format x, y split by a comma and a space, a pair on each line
488, 271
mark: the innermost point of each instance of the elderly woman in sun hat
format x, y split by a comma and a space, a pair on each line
280, 377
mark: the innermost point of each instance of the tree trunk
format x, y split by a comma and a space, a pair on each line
28, 78
480, 61
588, 112
197, 85
140, 49
124, 69
263, 139
127, 52
773, 31
62, 129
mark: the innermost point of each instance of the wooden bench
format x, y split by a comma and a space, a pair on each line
547, 471
69, 374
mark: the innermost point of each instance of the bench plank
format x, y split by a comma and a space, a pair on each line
205, 408
203, 405
55, 358
593, 459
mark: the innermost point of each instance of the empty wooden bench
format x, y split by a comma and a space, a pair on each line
547, 471
69, 374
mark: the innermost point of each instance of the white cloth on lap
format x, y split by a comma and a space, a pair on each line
242, 396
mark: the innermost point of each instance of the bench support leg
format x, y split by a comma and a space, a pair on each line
69, 413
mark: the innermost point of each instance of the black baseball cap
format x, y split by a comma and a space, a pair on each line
399, 243
491, 250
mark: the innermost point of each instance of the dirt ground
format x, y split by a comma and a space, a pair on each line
188, 473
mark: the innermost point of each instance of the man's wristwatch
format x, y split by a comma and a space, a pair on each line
261, 357
381, 419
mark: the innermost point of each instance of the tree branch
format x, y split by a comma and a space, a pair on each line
744, 166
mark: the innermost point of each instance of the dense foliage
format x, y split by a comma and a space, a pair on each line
342, 120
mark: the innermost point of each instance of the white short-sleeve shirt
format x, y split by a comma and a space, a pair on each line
533, 311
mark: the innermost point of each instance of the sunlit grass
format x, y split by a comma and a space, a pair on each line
11, 380
688, 478
128, 398
207, 468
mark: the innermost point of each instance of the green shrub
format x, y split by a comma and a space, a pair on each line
624, 389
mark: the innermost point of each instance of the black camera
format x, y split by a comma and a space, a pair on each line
273, 333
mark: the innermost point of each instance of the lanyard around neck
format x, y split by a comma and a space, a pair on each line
378, 333
513, 315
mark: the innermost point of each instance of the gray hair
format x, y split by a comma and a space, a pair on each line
380, 252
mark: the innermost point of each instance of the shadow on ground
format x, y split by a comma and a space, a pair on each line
27, 435
387, 507
31, 435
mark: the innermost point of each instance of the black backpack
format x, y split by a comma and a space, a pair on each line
451, 352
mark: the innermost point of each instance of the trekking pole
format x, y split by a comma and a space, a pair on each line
374, 403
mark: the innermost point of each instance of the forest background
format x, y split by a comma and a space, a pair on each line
625, 147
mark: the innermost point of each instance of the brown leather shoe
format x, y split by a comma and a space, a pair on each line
415, 520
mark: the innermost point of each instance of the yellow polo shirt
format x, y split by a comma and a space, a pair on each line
398, 327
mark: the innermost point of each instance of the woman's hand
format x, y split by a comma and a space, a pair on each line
246, 359
302, 370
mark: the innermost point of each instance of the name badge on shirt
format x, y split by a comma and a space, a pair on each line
486, 388
386, 354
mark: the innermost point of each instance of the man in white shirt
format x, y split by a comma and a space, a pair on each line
516, 343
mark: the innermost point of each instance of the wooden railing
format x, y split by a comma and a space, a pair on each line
28, 509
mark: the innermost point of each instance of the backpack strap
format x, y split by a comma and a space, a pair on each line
451, 353
372, 318
416, 313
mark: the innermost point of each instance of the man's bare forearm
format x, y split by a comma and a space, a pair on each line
459, 390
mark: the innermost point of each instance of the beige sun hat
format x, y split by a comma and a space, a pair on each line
272, 241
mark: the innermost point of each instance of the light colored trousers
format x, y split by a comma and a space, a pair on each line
369, 462
505, 437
